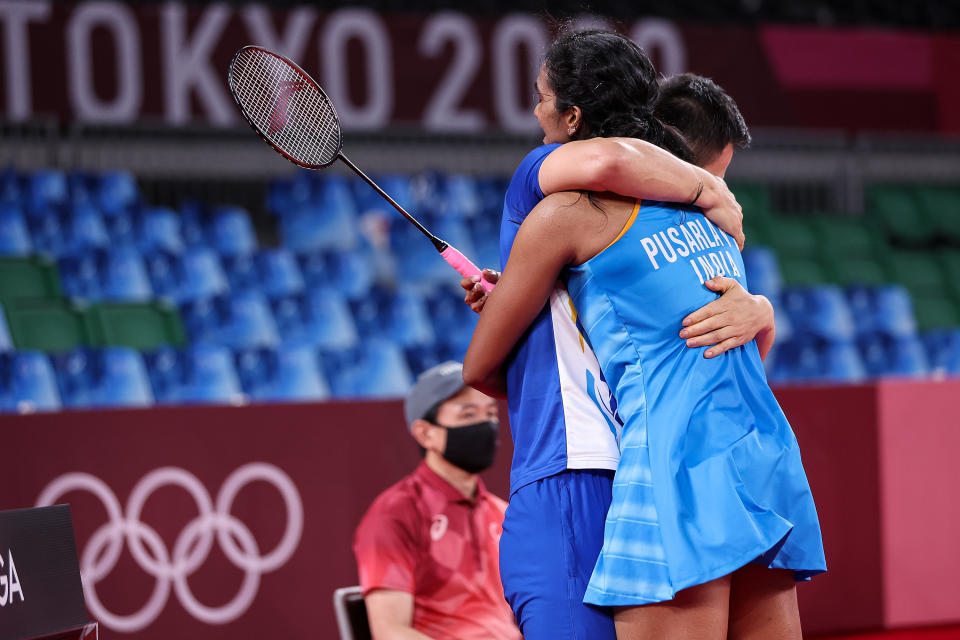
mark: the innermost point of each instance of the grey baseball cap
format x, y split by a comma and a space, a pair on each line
432, 387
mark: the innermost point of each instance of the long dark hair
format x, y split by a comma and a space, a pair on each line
615, 85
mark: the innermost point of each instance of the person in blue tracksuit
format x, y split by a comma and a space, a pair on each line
564, 425
711, 519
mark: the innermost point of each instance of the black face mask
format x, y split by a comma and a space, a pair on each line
471, 447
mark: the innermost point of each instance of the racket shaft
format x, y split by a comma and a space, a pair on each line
453, 257
463, 265
386, 196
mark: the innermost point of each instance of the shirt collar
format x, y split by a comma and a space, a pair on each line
430, 477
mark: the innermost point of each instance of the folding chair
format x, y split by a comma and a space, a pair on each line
351, 614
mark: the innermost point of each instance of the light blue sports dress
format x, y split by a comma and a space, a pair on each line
710, 477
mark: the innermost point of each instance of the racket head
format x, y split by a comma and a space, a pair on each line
285, 106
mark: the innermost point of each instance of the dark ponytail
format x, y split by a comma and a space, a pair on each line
615, 85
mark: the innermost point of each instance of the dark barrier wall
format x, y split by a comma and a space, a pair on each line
237, 521
126, 63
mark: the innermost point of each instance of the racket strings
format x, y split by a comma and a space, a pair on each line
286, 108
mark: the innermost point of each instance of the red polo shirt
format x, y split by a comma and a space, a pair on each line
422, 536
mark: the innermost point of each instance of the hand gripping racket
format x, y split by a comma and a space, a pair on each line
292, 114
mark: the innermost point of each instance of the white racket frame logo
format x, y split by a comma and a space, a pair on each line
192, 546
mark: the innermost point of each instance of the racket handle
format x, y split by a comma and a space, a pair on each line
463, 266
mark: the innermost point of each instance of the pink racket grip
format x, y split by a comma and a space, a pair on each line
463, 266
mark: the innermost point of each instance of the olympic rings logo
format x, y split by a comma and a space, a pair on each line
192, 546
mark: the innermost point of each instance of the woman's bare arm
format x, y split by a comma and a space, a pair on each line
542, 248
638, 169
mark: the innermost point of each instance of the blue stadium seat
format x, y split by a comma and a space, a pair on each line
74, 374
455, 232
379, 371
894, 356
110, 377
763, 271
6, 342
329, 323
14, 234
200, 275
487, 247
279, 273
398, 186
296, 376
821, 310
313, 266
120, 229
124, 381
242, 273
943, 351
290, 315
203, 319
159, 230
421, 358
408, 321
802, 359
124, 276
81, 186
47, 191
86, 229
231, 232
11, 191
162, 270
453, 322
461, 197
248, 322
420, 265
32, 385
350, 272
165, 368
893, 311
491, 191
840, 362
48, 234
286, 194
333, 193
80, 276
311, 227
117, 193
209, 376
785, 328
193, 220
253, 370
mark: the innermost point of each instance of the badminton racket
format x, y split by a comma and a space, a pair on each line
292, 114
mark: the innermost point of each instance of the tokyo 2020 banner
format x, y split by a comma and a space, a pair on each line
103, 61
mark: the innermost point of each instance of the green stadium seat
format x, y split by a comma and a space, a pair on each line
897, 210
47, 324
801, 271
848, 270
918, 272
756, 234
144, 326
935, 312
941, 205
753, 197
949, 261
846, 237
34, 277
793, 238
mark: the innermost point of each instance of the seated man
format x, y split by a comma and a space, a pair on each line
427, 548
